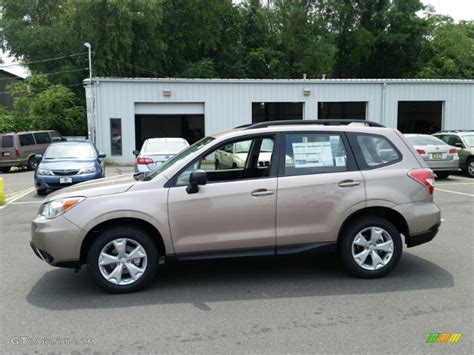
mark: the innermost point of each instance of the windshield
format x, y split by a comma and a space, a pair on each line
183, 154
152, 147
425, 141
469, 140
68, 151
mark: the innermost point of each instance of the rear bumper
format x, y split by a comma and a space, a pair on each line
422, 237
443, 165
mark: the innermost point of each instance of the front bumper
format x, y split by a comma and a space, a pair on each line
50, 182
57, 241
422, 237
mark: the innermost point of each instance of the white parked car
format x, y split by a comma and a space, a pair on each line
234, 156
155, 151
440, 157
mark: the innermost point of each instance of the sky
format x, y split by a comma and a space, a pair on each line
457, 9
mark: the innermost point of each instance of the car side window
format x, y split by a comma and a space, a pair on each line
453, 140
56, 137
242, 159
42, 138
314, 153
7, 142
26, 139
376, 151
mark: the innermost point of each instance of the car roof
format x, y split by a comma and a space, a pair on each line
166, 140
27, 132
353, 127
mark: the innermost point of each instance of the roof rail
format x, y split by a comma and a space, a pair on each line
243, 126
456, 130
325, 122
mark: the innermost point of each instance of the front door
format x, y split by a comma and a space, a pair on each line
235, 211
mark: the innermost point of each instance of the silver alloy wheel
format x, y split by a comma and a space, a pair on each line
470, 168
372, 248
122, 261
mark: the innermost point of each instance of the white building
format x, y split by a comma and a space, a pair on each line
122, 113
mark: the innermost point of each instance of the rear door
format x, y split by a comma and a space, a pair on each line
318, 183
7, 149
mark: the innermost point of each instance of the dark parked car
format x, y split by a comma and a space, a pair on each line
67, 163
19, 149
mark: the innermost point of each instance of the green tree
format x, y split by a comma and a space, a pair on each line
40, 105
452, 48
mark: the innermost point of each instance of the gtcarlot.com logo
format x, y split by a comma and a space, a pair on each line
443, 338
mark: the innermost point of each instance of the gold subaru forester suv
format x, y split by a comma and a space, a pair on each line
300, 185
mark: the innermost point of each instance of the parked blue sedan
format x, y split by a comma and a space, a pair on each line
67, 163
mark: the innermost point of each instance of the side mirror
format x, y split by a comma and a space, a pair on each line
459, 145
38, 157
197, 178
102, 155
136, 152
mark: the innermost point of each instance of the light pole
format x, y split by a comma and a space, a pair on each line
90, 103
89, 50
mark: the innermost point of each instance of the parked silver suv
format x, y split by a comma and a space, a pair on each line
355, 185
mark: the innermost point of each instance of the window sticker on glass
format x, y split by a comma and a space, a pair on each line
340, 161
312, 154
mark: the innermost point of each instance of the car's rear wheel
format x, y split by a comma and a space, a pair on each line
32, 163
443, 174
370, 247
5, 169
123, 259
470, 168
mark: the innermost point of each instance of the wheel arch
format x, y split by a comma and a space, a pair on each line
130, 221
385, 212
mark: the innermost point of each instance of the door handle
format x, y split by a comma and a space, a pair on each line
348, 183
262, 192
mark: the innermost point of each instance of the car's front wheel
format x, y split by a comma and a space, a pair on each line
370, 247
32, 163
123, 259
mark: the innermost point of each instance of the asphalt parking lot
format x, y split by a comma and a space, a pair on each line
274, 305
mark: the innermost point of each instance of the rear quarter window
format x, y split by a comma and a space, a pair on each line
7, 142
374, 151
26, 139
42, 138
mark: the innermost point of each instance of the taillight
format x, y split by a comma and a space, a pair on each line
17, 153
144, 161
453, 151
424, 177
421, 151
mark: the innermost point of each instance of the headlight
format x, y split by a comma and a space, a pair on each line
43, 171
88, 170
57, 207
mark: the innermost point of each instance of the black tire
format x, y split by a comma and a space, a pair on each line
348, 236
234, 166
131, 233
216, 165
470, 168
5, 169
41, 192
443, 174
32, 163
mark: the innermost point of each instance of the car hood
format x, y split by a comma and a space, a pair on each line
65, 164
100, 187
